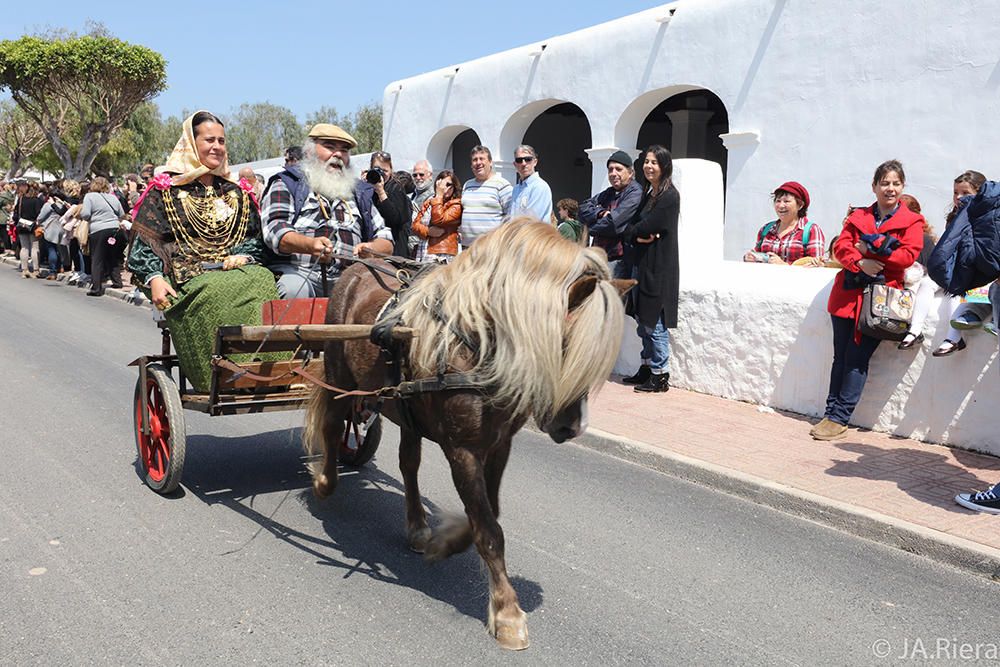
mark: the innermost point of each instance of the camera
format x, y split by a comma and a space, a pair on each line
375, 175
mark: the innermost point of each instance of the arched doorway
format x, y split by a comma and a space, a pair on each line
459, 160
450, 148
561, 135
688, 124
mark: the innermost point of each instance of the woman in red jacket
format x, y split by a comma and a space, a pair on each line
864, 230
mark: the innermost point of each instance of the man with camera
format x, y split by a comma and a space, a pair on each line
391, 201
335, 218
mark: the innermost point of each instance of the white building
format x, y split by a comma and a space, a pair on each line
771, 90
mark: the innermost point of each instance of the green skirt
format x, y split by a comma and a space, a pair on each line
209, 301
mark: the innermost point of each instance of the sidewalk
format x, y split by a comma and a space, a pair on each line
896, 491
126, 293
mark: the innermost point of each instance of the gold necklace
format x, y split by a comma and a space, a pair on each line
215, 222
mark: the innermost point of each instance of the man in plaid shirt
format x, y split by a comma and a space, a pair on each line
337, 218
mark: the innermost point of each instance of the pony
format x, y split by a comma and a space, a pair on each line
535, 319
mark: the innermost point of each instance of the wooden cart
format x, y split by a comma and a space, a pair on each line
162, 395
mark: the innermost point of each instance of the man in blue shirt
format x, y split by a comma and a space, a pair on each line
532, 196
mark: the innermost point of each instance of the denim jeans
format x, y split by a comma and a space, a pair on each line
655, 345
296, 282
849, 371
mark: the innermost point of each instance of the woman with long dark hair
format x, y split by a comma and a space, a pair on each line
656, 268
878, 243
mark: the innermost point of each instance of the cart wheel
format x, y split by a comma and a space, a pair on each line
161, 453
355, 455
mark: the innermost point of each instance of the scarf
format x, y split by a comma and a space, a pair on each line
184, 161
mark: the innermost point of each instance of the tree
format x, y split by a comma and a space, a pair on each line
261, 130
368, 127
20, 137
95, 82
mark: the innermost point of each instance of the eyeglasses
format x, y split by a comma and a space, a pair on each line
421, 174
523, 159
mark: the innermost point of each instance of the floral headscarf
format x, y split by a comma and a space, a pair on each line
184, 161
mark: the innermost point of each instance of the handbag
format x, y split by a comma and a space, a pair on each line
885, 312
82, 234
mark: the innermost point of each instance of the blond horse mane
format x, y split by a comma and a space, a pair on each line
509, 292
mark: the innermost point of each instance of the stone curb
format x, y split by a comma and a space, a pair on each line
867, 524
127, 295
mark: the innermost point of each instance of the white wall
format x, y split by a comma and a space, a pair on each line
819, 92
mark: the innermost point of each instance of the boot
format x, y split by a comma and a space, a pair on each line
641, 376
655, 383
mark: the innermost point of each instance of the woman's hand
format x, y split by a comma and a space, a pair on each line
750, 256
234, 262
161, 290
872, 267
863, 248
647, 239
772, 258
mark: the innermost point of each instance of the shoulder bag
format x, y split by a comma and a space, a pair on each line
885, 312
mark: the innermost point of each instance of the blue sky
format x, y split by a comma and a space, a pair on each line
305, 55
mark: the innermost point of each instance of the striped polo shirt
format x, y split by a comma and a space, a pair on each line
484, 206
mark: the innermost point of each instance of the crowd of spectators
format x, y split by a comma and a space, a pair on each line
314, 215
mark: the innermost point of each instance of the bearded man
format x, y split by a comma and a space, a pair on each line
336, 217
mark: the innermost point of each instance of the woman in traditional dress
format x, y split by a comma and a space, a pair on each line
192, 220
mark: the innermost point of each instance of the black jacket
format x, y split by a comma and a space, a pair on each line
395, 210
657, 262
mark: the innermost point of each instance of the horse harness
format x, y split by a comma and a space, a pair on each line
382, 335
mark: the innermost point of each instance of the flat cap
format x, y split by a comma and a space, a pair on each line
333, 132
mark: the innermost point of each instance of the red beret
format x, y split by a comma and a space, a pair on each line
796, 189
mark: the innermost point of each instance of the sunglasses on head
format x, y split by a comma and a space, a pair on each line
523, 159
382, 155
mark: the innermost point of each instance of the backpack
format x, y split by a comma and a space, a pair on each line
766, 229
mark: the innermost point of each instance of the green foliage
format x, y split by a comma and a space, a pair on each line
20, 138
259, 131
90, 85
367, 127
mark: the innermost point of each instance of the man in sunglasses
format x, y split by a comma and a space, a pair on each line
532, 196
423, 182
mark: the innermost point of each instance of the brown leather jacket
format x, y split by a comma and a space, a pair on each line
446, 215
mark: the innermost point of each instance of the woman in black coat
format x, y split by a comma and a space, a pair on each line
655, 297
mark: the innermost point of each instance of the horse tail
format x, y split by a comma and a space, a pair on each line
313, 440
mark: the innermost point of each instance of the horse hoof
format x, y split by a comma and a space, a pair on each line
512, 635
323, 488
452, 536
417, 539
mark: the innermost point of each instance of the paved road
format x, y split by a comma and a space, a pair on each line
615, 564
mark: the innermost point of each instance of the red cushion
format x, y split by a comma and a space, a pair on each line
294, 311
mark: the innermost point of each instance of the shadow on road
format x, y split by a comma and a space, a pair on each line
363, 530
